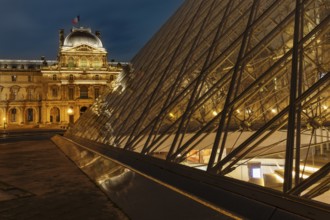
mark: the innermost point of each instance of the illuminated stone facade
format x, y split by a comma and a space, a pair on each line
43, 93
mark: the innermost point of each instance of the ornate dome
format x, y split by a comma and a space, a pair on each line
80, 36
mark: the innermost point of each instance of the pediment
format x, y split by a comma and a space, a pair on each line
82, 49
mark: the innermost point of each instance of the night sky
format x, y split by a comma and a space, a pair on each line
29, 28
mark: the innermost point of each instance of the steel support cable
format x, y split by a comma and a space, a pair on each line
322, 187
305, 161
245, 92
150, 80
289, 156
152, 93
324, 22
198, 87
162, 57
299, 90
322, 82
174, 87
232, 86
160, 82
260, 44
217, 84
241, 98
228, 49
230, 167
311, 180
192, 83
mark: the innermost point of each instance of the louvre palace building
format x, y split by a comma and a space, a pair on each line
54, 93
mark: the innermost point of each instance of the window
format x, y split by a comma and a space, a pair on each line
71, 93
97, 77
97, 63
83, 92
97, 92
71, 62
13, 94
83, 62
55, 115
54, 91
111, 78
29, 78
29, 94
13, 78
54, 77
13, 115
71, 77
83, 110
29, 116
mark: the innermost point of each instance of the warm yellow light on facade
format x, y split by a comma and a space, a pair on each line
70, 111
4, 119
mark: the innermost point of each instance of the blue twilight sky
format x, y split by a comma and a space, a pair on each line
29, 28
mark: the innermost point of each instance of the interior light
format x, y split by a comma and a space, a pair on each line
256, 173
249, 111
279, 178
274, 111
214, 113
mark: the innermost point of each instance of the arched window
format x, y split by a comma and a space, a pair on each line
82, 110
97, 63
54, 115
13, 115
71, 62
29, 115
83, 62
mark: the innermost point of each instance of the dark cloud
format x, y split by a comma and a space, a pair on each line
29, 29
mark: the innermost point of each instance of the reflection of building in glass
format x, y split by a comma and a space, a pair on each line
40, 92
236, 88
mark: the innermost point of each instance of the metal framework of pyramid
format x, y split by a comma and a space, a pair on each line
238, 88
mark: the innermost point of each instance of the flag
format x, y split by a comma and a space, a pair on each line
76, 20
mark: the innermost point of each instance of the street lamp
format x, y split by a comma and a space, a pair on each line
4, 122
70, 113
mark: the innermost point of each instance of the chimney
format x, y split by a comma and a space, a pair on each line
61, 36
98, 34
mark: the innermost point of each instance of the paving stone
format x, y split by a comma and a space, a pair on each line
37, 181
